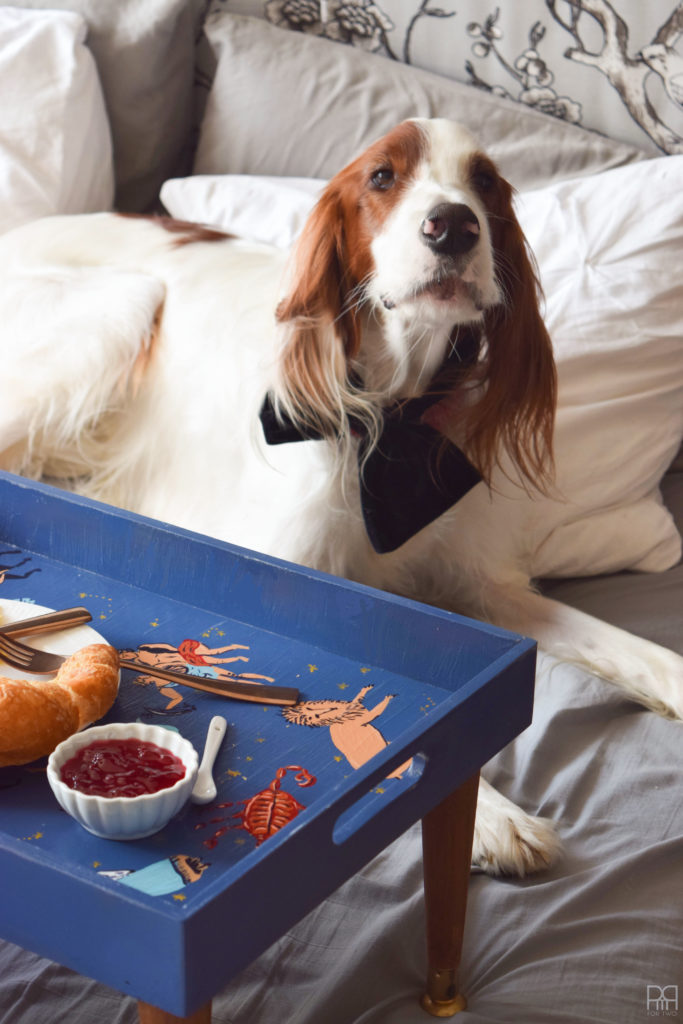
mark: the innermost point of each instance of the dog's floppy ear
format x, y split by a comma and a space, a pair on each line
318, 319
517, 409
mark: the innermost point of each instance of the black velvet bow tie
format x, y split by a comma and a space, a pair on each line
413, 474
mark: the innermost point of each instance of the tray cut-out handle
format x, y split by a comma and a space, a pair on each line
379, 796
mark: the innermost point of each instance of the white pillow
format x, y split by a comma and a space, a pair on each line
609, 249
55, 146
145, 54
260, 209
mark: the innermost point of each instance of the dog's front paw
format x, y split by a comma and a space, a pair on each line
507, 840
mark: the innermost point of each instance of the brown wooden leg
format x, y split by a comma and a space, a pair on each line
153, 1015
447, 834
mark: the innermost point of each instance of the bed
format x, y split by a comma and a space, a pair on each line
234, 114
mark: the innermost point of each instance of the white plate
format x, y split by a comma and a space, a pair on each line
66, 641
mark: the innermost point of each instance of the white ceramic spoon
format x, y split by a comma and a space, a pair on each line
204, 790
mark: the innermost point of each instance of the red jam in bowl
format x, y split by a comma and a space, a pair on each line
122, 768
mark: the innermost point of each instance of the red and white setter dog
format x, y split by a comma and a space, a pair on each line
143, 359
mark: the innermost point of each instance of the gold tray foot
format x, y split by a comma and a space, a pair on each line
447, 1008
441, 998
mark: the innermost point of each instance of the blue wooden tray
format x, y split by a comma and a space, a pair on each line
170, 919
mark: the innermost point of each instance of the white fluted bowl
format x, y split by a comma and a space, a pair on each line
124, 817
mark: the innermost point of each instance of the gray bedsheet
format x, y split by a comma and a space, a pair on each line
593, 940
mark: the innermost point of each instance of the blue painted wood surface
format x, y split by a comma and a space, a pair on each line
171, 918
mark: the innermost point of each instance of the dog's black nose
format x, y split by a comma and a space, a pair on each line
451, 229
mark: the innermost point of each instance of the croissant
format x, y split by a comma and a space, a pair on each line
36, 715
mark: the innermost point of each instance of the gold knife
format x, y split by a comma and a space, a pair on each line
48, 622
255, 692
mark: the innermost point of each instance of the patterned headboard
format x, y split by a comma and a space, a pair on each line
615, 67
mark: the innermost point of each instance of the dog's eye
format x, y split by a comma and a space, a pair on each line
483, 181
382, 178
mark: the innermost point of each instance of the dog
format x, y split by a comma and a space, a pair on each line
358, 407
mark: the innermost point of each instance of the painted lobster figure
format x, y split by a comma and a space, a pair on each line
272, 808
265, 813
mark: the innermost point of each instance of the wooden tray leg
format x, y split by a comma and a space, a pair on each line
153, 1015
447, 834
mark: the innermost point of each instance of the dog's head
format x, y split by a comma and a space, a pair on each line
412, 241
